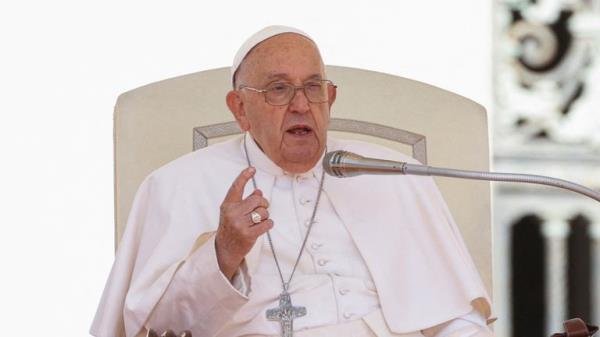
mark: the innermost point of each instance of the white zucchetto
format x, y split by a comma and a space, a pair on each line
259, 37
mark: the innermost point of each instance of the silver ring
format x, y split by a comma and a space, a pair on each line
256, 218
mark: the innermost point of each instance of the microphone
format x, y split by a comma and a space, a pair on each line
343, 164
347, 164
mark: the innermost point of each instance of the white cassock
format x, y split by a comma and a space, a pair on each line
384, 253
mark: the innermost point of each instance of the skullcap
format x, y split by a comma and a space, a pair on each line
257, 38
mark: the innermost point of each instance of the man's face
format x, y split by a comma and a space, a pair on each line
292, 135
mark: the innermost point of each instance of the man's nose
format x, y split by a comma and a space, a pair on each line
299, 102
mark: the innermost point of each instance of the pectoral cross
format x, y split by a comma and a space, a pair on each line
285, 314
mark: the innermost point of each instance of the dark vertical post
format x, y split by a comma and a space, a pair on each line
579, 269
528, 280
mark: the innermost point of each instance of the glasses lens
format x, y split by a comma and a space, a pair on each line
279, 93
316, 92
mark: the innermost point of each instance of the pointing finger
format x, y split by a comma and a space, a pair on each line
237, 187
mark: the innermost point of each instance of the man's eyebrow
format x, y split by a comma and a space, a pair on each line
315, 77
276, 76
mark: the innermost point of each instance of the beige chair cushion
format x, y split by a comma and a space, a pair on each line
159, 122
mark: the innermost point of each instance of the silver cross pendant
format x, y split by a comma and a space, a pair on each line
285, 314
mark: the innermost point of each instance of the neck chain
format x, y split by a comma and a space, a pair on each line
286, 313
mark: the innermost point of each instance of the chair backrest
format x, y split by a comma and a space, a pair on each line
159, 122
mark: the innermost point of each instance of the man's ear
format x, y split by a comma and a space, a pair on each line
236, 106
333, 96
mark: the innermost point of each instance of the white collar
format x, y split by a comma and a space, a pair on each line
262, 162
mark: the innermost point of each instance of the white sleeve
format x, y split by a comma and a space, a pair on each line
472, 324
199, 297
241, 279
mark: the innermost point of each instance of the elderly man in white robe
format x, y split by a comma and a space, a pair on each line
249, 238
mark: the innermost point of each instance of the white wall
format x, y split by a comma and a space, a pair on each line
63, 63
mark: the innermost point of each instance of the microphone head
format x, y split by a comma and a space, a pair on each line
335, 163
347, 164
330, 160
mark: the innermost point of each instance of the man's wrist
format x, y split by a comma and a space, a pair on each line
227, 264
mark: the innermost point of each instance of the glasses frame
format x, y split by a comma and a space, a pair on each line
303, 87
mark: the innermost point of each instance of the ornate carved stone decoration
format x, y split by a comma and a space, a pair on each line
547, 71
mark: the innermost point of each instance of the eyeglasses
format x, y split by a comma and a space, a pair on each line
281, 93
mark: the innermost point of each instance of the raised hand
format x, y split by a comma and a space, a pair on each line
238, 230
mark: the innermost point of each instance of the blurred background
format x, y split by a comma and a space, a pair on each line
534, 65
546, 112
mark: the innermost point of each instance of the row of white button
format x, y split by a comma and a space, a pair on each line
315, 246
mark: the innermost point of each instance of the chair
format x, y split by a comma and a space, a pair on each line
159, 122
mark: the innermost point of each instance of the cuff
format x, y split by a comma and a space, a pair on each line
241, 279
472, 324
205, 266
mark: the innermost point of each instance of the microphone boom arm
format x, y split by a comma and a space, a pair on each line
347, 164
424, 170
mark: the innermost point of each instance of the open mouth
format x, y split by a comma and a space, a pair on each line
299, 130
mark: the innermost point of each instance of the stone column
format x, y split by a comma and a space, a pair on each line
555, 231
